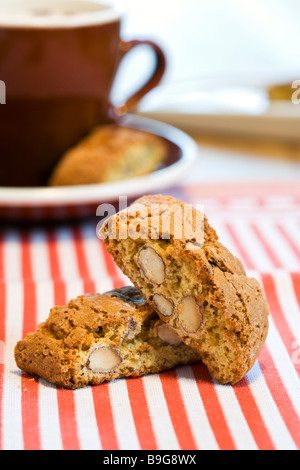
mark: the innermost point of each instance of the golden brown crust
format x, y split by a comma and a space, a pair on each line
118, 322
229, 307
109, 153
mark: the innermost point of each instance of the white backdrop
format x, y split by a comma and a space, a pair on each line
220, 38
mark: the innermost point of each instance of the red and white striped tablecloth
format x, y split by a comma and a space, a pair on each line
176, 410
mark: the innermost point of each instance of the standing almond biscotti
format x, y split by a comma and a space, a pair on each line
101, 337
173, 257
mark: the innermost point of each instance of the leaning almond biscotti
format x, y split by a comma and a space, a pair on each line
173, 257
101, 337
110, 153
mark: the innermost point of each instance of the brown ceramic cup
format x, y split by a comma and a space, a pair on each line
58, 62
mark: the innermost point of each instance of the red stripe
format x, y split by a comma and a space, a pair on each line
104, 417
271, 254
140, 411
89, 285
30, 387
59, 285
2, 333
243, 253
65, 398
213, 408
282, 326
67, 418
280, 395
252, 414
1, 407
177, 410
296, 284
30, 412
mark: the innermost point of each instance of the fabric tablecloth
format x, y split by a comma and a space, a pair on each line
181, 409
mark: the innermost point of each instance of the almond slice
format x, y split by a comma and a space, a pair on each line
104, 359
167, 334
190, 314
163, 305
151, 265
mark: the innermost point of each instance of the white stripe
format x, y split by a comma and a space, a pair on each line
49, 417
269, 411
159, 414
68, 264
202, 431
235, 418
252, 245
12, 257
12, 390
73, 289
225, 237
278, 244
39, 256
288, 301
45, 299
284, 365
95, 260
86, 420
124, 422
67, 255
292, 226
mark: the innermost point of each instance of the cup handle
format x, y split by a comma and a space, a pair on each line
156, 76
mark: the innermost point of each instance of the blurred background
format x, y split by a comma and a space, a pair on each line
256, 39
229, 82
238, 46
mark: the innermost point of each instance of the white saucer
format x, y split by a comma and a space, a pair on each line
46, 203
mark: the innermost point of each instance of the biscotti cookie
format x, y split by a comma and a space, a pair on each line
173, 257
101, 337
109, 153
